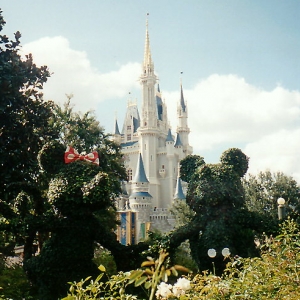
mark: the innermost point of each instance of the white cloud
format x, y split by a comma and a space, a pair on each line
73, 74
278, 151
224, 110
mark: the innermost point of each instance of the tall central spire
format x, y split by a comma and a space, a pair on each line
147, 52
148, 80
148, 66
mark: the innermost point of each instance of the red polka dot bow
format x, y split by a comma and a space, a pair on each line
72, 155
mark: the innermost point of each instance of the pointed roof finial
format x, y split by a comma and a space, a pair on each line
169, 136
147, 53
179, 191
116, 131
182, 102
178, 141
140, 175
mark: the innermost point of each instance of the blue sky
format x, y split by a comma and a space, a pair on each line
240, 63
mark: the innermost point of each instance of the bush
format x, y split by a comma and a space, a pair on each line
274, 275
14, 283
103, 257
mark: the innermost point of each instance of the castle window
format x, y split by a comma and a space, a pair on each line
129, 127
128, 137
129, 174
163, 167
145, 147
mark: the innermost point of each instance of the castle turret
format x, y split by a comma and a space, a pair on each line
117, 134
182, 128
179, 195
140, 200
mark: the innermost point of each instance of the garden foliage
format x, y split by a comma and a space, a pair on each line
274, 275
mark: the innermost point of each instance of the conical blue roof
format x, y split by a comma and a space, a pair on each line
182, 103
117, 131
169, 136
178, 191
178, 141
140, 175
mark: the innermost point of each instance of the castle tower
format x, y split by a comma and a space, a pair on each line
182, 128
149, 129
140, 199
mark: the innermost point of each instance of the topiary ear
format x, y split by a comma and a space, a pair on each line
237, 159
51, 157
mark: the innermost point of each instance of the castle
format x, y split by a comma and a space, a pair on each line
152, 154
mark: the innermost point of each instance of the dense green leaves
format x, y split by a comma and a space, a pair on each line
189, 165
275, 275
24, 119
216, 195
263, 190
235, 158
24, 115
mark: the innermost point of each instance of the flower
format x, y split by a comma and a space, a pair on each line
163, 290
181, 286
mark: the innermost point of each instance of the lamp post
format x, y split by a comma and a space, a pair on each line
212, 253
281, 208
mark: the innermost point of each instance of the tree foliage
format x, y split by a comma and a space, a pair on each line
263, 190
181, 212
81, 196
274, 275
216, 195
188, 165
24, 118
13, 282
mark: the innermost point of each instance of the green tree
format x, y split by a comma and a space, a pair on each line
182, 213
13, 282
263, 190
81, 203
24, 118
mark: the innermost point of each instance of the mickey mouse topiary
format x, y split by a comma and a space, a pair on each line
222, 220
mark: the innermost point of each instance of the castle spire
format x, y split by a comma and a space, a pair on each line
177, 141
182, 102
147, 51
169, 136
179, 191
140, 175
116, 130
148, 80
